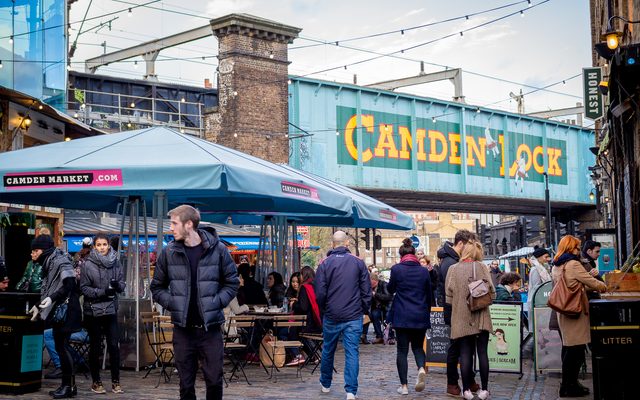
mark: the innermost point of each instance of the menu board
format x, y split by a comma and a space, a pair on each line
437, 340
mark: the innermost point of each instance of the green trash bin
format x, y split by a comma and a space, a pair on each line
615, 346
20, 344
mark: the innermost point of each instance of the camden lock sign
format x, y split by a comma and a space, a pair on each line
593, 107
388, 143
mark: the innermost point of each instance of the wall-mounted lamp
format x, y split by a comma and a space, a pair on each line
611, 36
592, 195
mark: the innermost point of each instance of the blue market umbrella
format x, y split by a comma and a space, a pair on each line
96, 173
366, 212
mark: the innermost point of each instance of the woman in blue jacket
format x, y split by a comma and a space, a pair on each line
410, 312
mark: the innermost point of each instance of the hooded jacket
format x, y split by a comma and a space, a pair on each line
217, 280
343, 286
95, 277
449, 257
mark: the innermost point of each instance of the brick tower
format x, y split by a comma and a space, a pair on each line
252, 114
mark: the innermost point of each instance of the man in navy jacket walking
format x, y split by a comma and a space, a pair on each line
343, 292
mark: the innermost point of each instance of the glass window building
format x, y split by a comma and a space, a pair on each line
33, 49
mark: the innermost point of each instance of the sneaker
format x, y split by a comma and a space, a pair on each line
467, 395
420, 380
483, 394
96, 387
299, 359
55, 374
403, 390
115, 387
453, 390
351, 396
325, 389
474, 387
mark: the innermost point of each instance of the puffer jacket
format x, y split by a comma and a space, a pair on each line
58, 283
33, 275
171, 284
95, 277
449, 257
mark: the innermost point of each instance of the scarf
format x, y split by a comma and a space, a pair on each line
108, 260
311, 293
542, 271
409, 257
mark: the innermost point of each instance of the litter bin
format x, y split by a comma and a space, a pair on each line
20, 344
615, 345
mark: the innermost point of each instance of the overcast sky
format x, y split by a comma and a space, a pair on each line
549, 44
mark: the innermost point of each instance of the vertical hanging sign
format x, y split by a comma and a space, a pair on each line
593, 100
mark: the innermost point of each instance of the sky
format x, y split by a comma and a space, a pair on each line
550, 42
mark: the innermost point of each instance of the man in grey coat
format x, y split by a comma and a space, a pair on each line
195, 279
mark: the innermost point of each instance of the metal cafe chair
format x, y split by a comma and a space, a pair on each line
234, 349
166, 354
286, 321
148, 320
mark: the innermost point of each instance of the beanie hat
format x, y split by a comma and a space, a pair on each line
43, 242
540, 251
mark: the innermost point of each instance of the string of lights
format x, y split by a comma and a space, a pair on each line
402, 31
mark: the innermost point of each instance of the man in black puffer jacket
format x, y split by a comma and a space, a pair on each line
195, 279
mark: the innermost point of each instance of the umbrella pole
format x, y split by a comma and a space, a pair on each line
137, 277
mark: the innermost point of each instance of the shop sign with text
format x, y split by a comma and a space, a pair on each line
388, 141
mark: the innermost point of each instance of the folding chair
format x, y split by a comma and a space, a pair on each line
314, 342
234, 350
286, 321
81, 350
166, 354
148, 320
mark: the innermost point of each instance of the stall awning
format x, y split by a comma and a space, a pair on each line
244, 242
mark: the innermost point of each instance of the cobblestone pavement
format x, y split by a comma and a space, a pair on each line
378, 380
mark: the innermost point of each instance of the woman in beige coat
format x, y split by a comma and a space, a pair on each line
470, 328
575, 332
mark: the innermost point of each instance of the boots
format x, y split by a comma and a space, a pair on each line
66, 390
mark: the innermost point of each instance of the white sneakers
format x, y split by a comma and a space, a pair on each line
483, 394
420, 380
403, 390
324, 389
467, 395
351, 396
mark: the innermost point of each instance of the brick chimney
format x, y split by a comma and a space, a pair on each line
252, 114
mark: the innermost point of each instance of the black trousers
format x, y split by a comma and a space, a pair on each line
61, 341
404, 338
453, 357
96, 327
469, 345
572, 359
191, 345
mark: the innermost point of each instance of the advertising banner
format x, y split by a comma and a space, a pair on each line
504, 343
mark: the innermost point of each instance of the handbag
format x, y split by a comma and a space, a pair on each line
566, 300
479, 296
60, 313
269, 354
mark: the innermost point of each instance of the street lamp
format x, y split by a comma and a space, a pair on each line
547, 202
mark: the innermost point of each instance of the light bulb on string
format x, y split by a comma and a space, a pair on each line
11, 39
130, 13
135, 64
522, 13
1, 64
529, 3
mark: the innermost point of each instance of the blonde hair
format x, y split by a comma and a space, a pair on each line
472, 250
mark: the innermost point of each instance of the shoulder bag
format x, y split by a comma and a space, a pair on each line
565, 300
60, 313
479, 296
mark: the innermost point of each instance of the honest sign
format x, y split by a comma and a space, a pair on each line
593, 106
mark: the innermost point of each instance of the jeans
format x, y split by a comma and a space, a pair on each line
469, 345
191, 345
107, 325
572, 360
51, 347
376, 319
351, 331
404, 337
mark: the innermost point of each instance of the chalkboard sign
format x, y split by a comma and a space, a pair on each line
437, 341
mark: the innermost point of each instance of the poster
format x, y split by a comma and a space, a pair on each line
504, 342
548, 346
437, 340
31, 359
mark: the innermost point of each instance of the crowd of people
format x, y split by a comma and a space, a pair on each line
197, 283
